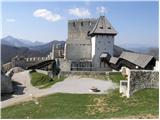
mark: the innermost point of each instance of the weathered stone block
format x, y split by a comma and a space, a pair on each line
6, 84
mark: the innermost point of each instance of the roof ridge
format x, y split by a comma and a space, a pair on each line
101, 27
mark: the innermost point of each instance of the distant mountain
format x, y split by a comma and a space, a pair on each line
140, 48
8, 52
46, 48
15, 42
118, 50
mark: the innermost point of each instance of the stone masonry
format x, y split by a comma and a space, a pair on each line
139, 79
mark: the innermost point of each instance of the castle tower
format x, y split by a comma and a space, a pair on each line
102, 39
53, 52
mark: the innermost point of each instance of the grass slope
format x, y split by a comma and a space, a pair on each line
144, 102
43, 81
116, 76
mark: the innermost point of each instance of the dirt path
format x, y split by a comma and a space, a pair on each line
73, 84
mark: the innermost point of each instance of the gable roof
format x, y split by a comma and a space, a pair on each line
103, 26
113, 60
138, 59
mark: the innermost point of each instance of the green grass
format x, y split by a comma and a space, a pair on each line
41, 81
144, 102
97, 76
116, 77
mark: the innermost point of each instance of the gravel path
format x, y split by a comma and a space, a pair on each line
73, 84
76, 84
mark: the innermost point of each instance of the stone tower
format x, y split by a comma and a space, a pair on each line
102, 39
78, 44
53, 52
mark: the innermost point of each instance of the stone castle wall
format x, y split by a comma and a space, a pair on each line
78, 30
6, 84
81, 51
140, 79
78, 39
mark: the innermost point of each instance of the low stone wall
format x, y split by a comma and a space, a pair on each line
140, 79
6, 84
67, 73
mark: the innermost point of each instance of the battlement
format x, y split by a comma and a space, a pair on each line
78, 29
82, 20
38, 59
81, 23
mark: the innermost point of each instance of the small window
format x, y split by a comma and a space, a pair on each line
124, 83
99, 41
81, 23
101, 27
109, 41
109, 27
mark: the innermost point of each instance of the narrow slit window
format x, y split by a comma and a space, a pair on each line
74, 24
81, 23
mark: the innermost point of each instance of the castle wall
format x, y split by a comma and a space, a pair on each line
137, 80
78, 30
140, 79
78, 51
65, 65
78, 39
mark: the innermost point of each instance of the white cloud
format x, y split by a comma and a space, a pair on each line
101, 10
80, 12
47, 15
10, 20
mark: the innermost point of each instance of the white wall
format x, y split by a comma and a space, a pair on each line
157, 65
93, 40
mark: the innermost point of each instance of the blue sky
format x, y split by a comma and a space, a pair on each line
136, 22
